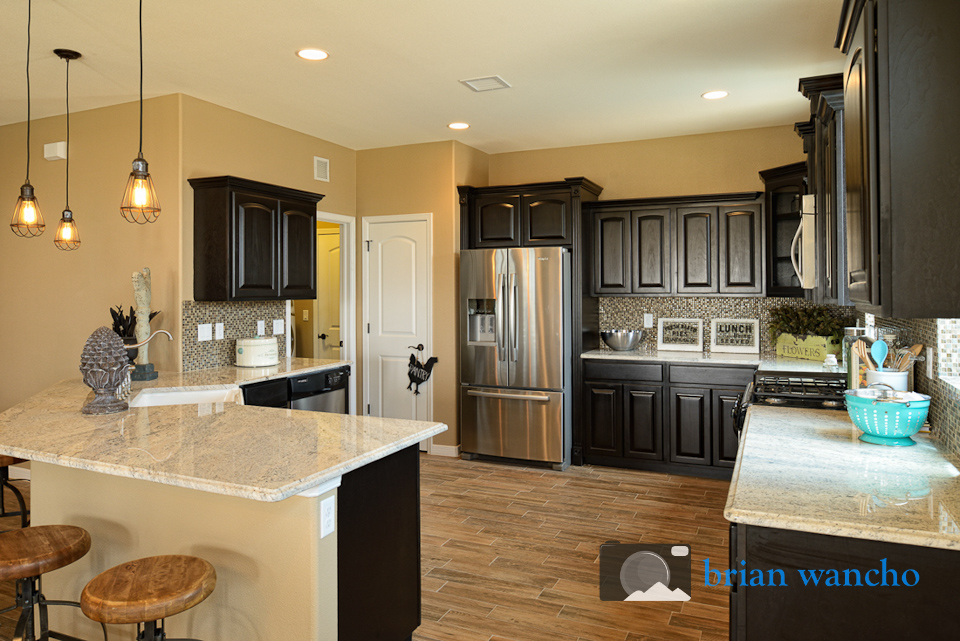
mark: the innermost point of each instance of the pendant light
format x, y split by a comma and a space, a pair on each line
140, 203
67, 238
27, 219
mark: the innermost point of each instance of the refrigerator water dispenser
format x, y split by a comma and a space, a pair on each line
481, 321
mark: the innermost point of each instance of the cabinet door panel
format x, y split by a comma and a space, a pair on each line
612, 253
546, 220
740, 249
696, 250
602, 420
725, 440
255, 228
690, 425
298, 250
651, 252
860, 147
496, 222
643, 422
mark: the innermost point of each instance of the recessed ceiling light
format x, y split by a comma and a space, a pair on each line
312, 54
458, 125
714, 95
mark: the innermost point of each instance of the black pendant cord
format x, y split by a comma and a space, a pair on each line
140, 153
29, 19
67, 195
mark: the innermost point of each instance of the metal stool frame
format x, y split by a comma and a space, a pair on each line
30, 595
153, 631
5, 484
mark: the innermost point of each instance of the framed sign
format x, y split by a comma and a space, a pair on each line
735, 335
680, 334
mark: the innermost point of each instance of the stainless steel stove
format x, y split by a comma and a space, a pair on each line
815, 390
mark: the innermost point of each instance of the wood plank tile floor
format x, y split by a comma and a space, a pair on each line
510, 553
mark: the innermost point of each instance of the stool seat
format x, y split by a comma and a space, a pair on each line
37, 550
148, 589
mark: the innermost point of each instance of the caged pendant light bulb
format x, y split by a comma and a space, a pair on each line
140, 203
27, 219
67, 238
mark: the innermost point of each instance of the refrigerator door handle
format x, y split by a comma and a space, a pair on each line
501, 312
512, 397
514, 324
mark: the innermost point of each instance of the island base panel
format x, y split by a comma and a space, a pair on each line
276, 578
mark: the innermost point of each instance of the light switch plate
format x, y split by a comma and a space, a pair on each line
328, 516
204, 332
306, 315
278, 326
261, 328
647, 321
218, 328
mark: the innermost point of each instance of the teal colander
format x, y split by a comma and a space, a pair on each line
887, 417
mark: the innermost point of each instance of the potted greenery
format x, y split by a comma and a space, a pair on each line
808, 332
125, 327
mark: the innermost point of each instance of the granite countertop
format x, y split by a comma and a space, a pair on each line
230, 376
260, 453
804, 469
765, 362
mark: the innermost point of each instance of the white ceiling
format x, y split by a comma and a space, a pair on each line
582, 72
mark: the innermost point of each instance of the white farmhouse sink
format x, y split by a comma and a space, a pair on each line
152, 398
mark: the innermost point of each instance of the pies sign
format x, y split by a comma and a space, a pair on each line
680, 334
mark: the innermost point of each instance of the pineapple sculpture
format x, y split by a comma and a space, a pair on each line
105, 368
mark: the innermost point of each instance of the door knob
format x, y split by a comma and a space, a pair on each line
341, 343
322, 337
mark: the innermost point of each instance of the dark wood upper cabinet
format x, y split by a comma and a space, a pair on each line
496, 222
253, 241
741, 249
650, 257
902, 144
784, 190
697, 257
546, 219
612, 259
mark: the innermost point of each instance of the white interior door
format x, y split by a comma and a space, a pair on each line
397, 308
327, 308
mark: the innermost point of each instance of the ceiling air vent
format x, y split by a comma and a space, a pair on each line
321, 169
489, 83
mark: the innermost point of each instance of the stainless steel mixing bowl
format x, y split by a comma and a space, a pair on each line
621, 340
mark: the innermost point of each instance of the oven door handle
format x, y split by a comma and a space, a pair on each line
740, 408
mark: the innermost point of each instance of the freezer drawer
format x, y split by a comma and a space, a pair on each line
520, 424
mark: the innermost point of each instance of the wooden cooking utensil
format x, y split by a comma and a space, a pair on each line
864, 353
907, 357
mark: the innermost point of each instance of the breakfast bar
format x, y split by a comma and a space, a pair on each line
239, 486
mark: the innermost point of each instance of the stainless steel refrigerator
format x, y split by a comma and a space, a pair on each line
515, 317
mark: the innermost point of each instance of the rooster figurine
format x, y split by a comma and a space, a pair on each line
419, 372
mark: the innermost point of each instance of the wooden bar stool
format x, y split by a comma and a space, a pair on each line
146, 591
5, 484
27, 554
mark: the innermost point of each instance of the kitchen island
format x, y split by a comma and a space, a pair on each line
239, 486
807, 495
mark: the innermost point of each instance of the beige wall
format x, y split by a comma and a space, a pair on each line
221, 142
417, 179
50, 300
703, 164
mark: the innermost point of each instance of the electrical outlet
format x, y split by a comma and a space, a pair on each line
219, 330
931, 353
306, 315
204, 332
328, 516
278, 326
261, 328
647, 321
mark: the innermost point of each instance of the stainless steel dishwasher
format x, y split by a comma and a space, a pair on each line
320, 391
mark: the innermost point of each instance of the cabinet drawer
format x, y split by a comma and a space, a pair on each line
622, 371
734, 377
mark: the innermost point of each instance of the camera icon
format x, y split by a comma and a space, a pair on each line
644, 572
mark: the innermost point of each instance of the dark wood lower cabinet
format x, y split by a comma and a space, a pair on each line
602, 419
690, 425
643, 422
725, 439
845, 612
378, 549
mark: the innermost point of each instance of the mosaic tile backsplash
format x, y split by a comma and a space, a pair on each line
627, 313
239, 321
944, 396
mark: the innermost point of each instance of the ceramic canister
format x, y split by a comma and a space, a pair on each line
895, 379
